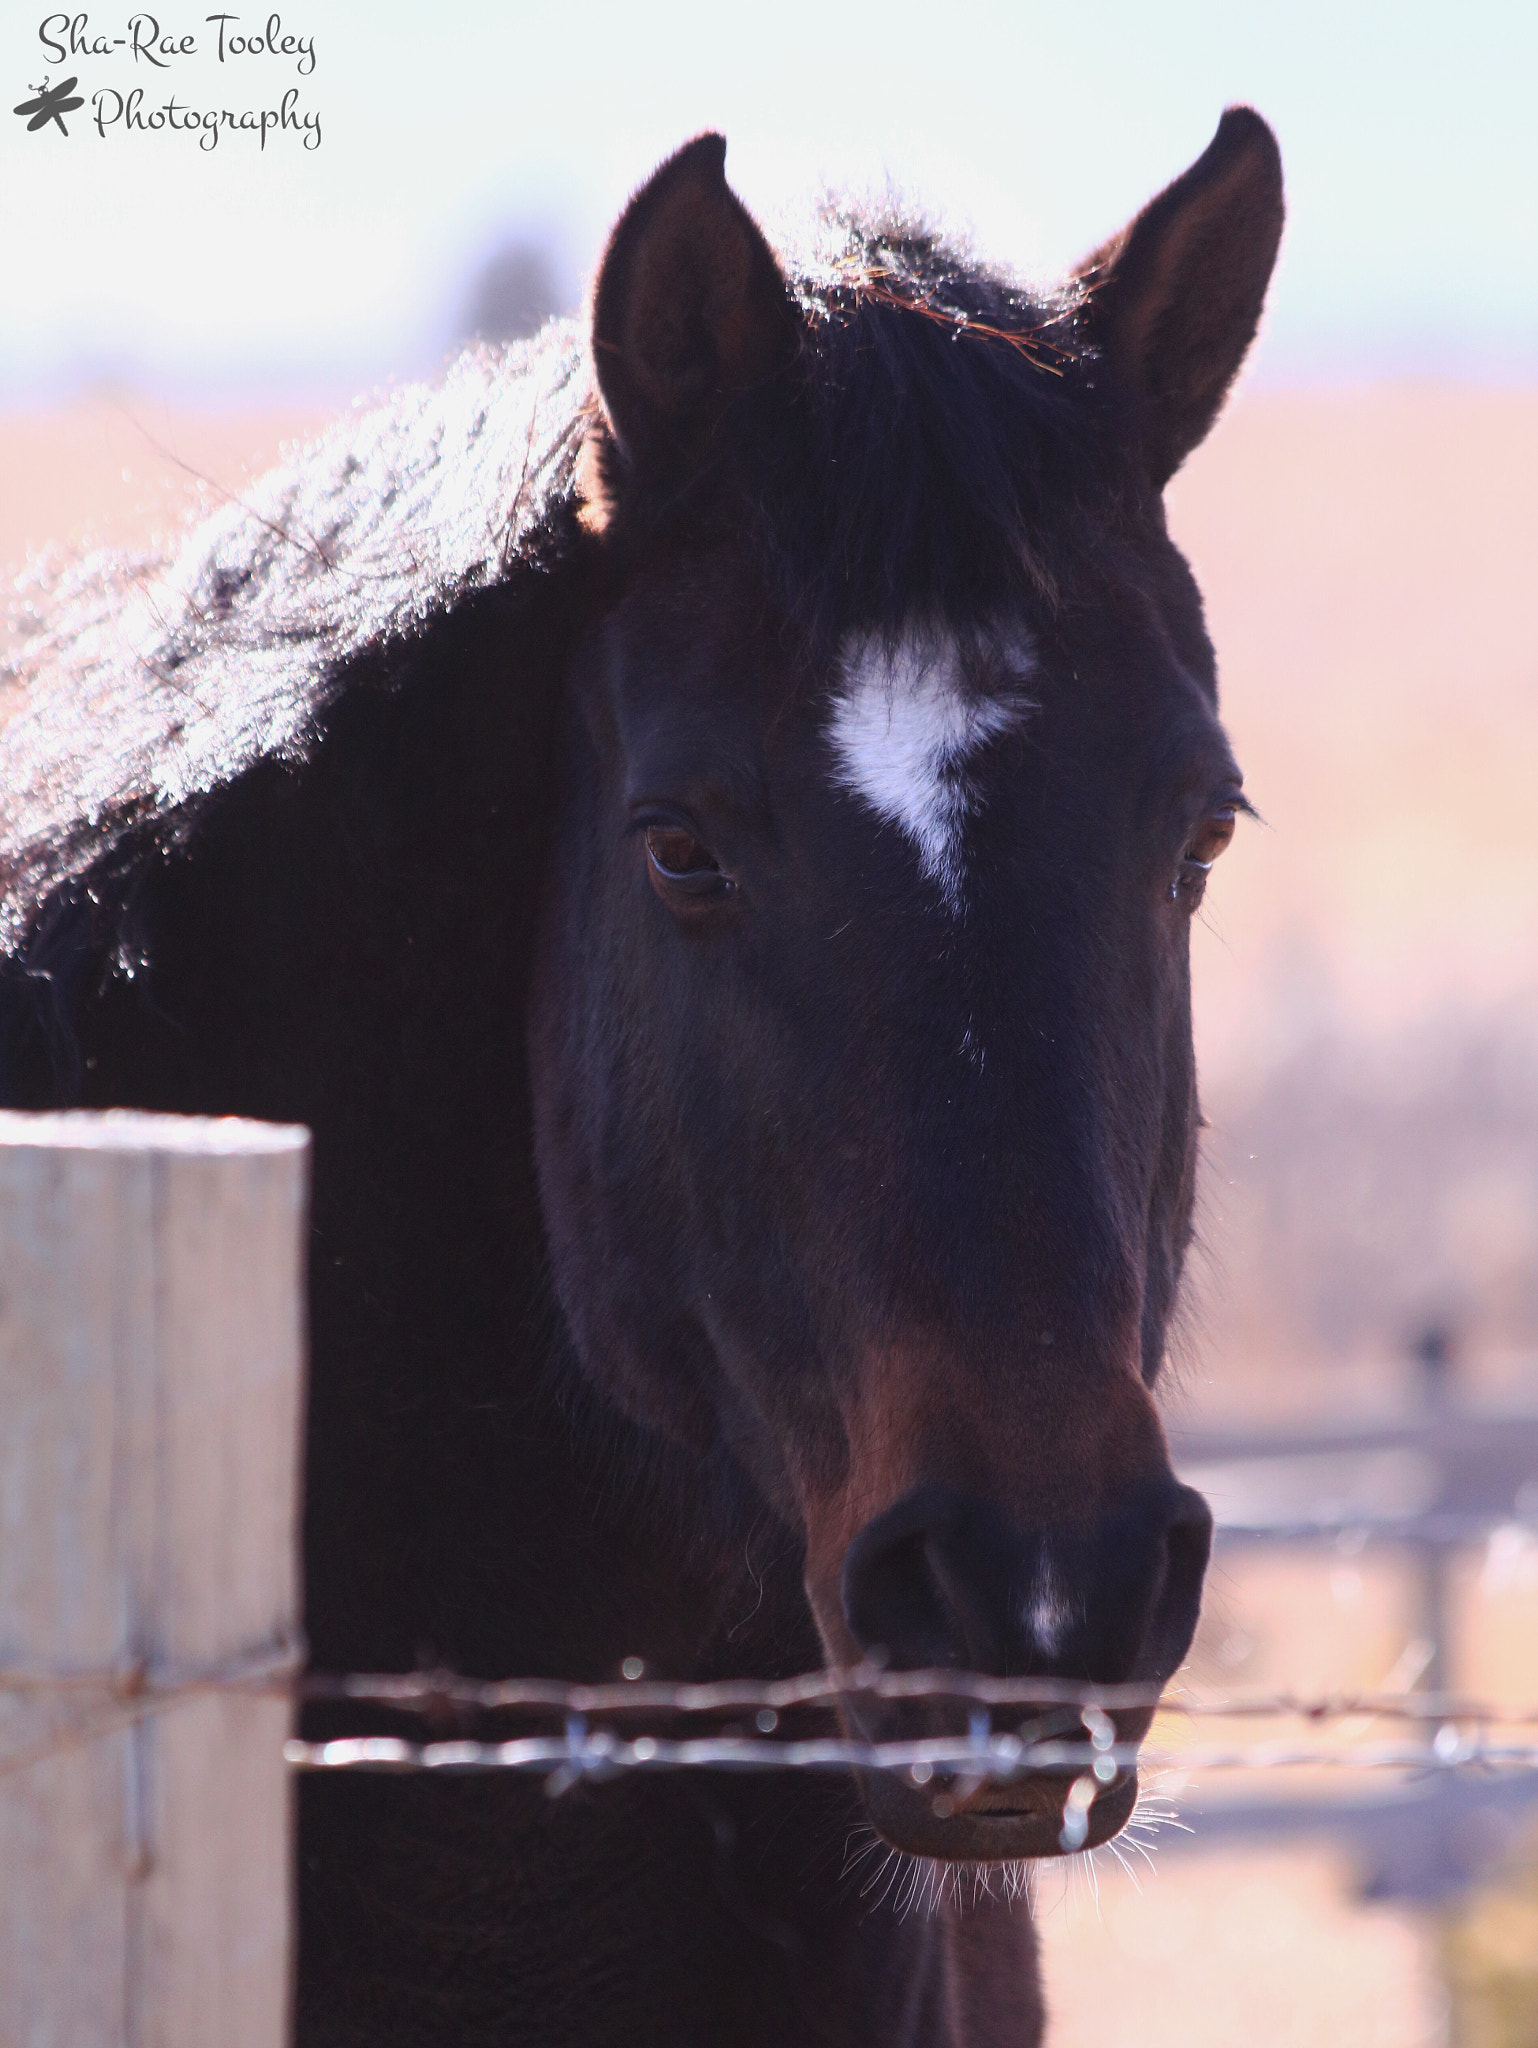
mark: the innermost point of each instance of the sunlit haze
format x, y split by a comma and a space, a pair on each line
1411, 153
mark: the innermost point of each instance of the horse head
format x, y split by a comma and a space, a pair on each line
891, 776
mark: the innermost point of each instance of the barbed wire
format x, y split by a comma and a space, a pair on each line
1085, 1758
1461, 1731
115, 1697
1438, 1530
442, 1692
278, 1671
600, 1753
273, 1667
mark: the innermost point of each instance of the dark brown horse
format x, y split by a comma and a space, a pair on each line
708, 844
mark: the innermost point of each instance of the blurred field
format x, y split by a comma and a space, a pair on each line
119, 470
1227, 1950
1367, 975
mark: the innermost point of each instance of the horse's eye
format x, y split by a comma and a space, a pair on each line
1211, 836
1202, 849
681, 865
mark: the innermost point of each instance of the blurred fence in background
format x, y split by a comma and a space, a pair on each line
150, 1336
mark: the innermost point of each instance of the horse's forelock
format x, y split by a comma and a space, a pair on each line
939, 442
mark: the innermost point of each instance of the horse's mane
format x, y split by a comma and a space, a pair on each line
145, 684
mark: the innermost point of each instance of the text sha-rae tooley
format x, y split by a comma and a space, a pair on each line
67, 36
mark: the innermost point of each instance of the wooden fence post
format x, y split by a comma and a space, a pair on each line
151, 1349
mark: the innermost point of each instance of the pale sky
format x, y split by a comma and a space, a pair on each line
1409, 135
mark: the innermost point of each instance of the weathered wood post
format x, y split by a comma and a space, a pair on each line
151, 1348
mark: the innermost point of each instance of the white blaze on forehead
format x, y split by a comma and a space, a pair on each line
905, 722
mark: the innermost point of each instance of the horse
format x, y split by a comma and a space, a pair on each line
702, 819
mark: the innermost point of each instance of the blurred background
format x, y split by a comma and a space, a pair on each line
1357, 1376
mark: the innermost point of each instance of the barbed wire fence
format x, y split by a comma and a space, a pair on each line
1059, 1728
151, 1342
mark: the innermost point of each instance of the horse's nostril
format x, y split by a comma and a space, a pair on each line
1190, 1525
1187, 1547
943, 1579
897, 1606
912, 1593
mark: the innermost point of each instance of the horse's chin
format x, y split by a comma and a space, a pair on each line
1002, 1824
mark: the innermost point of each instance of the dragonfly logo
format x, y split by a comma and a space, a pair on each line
51, 104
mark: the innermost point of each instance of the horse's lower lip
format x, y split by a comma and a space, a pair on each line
1002, 1825
1033, 1796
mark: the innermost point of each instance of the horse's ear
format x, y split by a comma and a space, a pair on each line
1175, 298
690, 308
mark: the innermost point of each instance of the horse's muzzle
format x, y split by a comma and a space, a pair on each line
944, 1580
